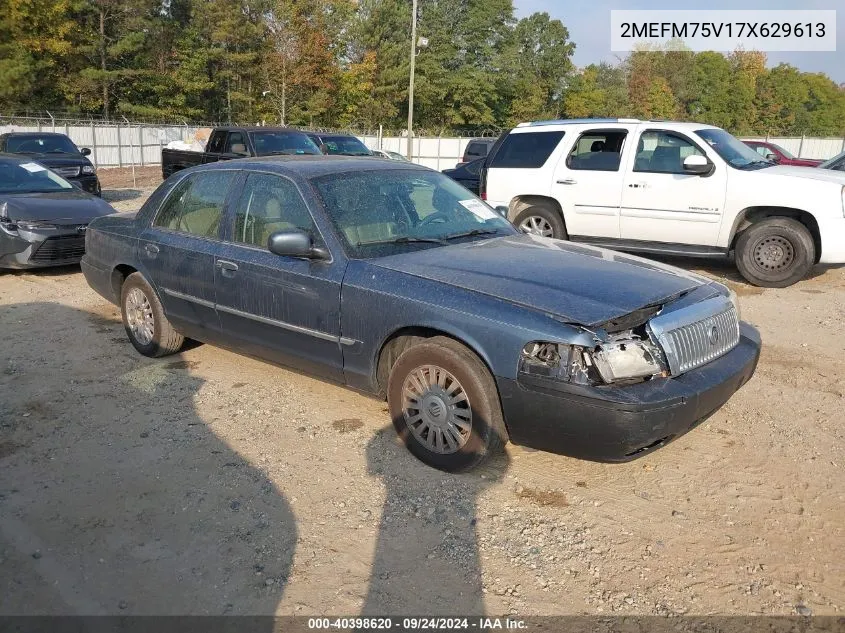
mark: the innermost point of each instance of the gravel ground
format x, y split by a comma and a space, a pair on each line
210, 483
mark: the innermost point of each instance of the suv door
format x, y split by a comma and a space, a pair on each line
588, 181
286, 309
178, 248
663, 203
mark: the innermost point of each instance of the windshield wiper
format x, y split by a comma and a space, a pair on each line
455, 236
404, 240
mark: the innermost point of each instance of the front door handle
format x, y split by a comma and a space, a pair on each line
638, 185
228, 269
568, 181
151, 250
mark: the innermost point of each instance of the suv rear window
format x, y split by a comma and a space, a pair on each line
527, 150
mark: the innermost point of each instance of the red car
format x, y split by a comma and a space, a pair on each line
779, 155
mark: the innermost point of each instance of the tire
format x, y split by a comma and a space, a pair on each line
470, 429
775, 253
538, 219
159, 338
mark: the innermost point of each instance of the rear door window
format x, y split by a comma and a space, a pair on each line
215, 143
196, 204
597, 150
526, 150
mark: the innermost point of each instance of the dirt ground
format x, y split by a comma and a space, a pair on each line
212, 483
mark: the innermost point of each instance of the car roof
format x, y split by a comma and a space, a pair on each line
311, 165
259, 128
563, 124
35, 134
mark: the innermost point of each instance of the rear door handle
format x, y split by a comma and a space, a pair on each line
151, 250
568, 181
228, 269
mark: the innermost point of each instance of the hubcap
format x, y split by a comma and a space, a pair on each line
436, 409
774, 253
535, 225
139, 316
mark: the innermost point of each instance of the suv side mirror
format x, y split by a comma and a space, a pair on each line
697, 165
295, 243
85, 151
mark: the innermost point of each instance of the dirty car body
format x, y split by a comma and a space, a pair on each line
594, 354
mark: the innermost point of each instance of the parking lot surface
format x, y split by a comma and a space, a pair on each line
211, 483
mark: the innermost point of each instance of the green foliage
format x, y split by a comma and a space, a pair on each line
346, 63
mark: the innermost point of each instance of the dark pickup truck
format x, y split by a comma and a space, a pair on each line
226, 143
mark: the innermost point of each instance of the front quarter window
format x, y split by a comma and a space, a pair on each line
733, 151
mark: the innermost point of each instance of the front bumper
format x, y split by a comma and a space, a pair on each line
42, 248
617, 424
89, 183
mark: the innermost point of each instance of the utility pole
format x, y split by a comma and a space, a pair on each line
411, 83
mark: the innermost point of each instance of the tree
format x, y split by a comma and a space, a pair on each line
36, 38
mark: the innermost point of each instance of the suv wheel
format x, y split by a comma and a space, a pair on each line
148, 329
445, 405
541, 220
775, 253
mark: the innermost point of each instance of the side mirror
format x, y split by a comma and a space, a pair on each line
85, 151
324, 149
697, 165
294, 243
772, 157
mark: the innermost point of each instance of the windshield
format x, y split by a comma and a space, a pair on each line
385, 212
283, 142
736, 153
29, 178
347, 145
35, 144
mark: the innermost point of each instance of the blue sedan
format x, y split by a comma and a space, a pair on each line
393, 279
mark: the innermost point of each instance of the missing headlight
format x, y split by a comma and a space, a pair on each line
569, 363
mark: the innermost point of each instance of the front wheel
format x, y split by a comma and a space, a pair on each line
775, 253
148, 329
445, 405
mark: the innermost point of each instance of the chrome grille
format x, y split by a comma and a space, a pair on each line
696, 335
67, 172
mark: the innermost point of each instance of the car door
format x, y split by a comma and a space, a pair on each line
285, 309
663, 203
178, 249
588, 182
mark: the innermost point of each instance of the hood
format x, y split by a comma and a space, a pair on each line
813, 173
57, 159
573, 282
70, 206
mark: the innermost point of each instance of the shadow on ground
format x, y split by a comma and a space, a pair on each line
116, 497
427, 531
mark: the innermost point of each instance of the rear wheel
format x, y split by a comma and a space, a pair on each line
148, 329
445, 406
775, 253
541, 220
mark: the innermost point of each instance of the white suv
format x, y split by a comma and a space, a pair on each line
664, 187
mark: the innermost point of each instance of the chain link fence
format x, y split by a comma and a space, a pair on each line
138, 143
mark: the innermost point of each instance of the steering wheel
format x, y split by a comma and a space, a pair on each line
440, 216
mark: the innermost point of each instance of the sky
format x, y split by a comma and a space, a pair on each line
589, 27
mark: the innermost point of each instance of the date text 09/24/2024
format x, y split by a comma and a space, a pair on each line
416, 624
